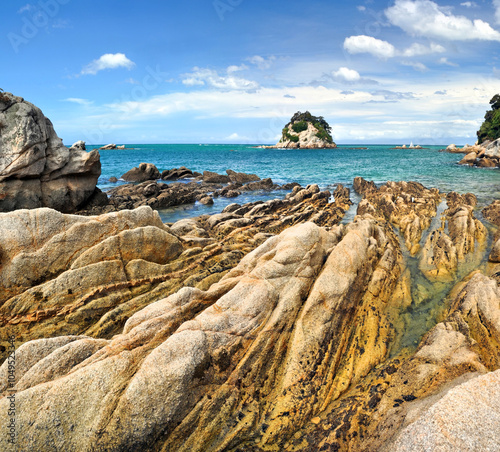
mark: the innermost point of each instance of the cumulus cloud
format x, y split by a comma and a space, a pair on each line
212, 79
234, 68
108, 61
369, 44
361, 8
469, 4
441, 93
347, 75
384, 49
426, 18
419, 49
261, 62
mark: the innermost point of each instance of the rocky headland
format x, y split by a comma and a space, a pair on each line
485, 155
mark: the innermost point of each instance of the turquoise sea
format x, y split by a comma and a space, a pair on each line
325, 167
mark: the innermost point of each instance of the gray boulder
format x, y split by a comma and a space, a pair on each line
493, 149
78, 146
144, 172
108, 147
36, 169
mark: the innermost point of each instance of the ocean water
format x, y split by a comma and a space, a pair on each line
325, 167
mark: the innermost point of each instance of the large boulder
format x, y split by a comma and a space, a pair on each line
493, 150
36, 169
466, 417
144, 172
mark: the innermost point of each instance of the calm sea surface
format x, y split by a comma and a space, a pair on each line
325, 167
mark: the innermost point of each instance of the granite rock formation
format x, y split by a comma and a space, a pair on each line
269, 326
36, 169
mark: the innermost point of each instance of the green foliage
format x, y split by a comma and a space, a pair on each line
288, 137
324, 135
490, 129
299, 123
299, 126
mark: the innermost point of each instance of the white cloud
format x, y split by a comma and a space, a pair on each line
419, 49
108, 61
77, 100
469, 4
368, 44
361, 8
415, 65
426, 18
496, 4
237, 137
234, 68
384, 49
210, 78
261, 62
445, 61
346, 75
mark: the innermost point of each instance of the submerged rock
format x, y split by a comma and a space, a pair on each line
36, 169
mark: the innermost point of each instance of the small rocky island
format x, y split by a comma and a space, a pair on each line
306, 131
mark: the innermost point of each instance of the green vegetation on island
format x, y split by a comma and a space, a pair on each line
490, 129
299, 123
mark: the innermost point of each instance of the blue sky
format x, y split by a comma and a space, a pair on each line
235, 71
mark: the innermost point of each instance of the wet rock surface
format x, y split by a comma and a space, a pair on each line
407, 205
160, 195
485, 155
269, 326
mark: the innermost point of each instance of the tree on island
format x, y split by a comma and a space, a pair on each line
490, 129
300, 122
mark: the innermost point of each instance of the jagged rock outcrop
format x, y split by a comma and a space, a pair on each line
250, 351
141, 173
485, 155
36, 169
95, 272
444, 250
275, 328
408, 205
179, 173
159, 195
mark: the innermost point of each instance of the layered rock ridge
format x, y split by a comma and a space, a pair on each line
270, 326
69, 274
36, 169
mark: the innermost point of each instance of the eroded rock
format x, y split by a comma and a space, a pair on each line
36, 169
